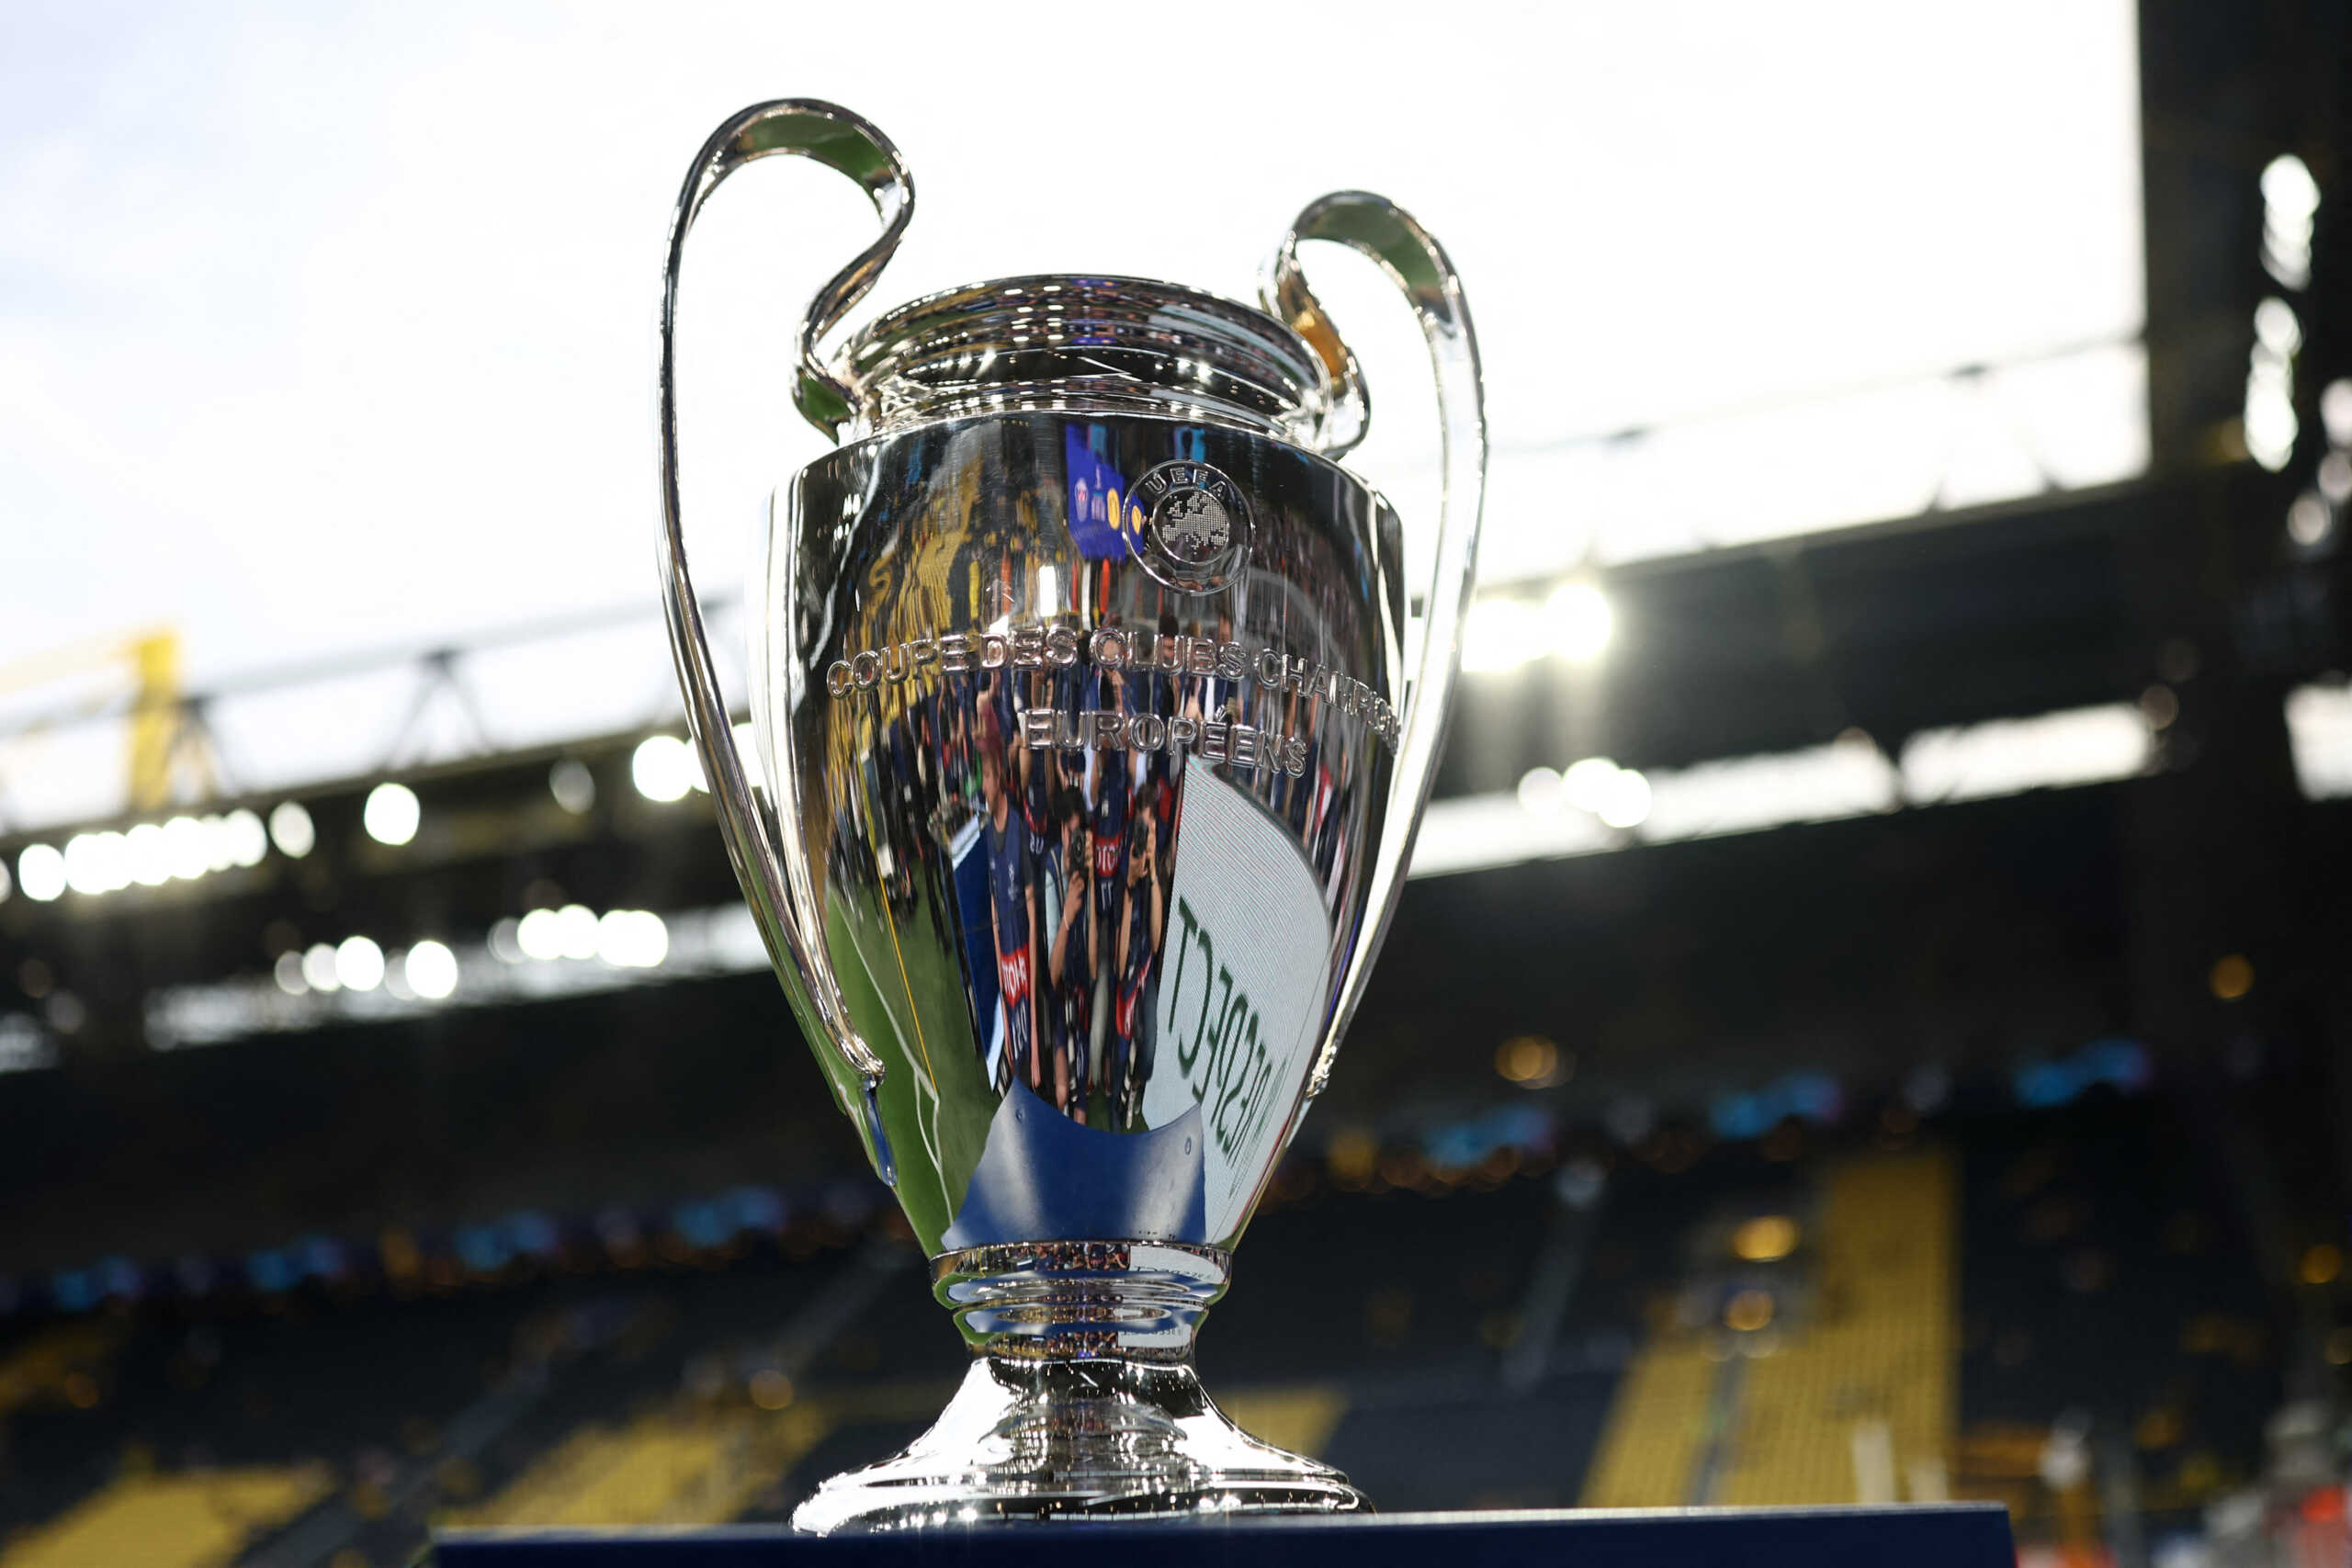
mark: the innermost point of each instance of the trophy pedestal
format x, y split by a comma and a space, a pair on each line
1950, 1535
1081, 1403
1032, 1439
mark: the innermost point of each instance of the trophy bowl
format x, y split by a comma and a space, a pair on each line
1094, 716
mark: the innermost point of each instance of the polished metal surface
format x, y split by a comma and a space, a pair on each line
1094, 345
1093, 728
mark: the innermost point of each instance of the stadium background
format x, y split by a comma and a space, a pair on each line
1879, 1023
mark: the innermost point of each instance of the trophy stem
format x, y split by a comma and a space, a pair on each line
1081, 1401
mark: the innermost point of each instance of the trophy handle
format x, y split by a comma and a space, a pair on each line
776, 884
1417, 265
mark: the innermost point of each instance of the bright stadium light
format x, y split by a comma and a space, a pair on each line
1619, 797
506, 940
1625, 800
243, 838
40, 872
1500, 634
218, 852
2080, 746
1585, 783
632, 938
1539, 790
2276, 329
359, 964
392, 813
2289, 204
432, 970
664, 768
575, 929
633, 947
1578, 619
540, 935
97, 862
83, 871
292, 830
148, 854
396, 984
2319, 734
2308, 520
188, 846
319, 968
1849, 777
573, 786
2334, 478
2335, 411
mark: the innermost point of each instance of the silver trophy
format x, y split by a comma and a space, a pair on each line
1094, 717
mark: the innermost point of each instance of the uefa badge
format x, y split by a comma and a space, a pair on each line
1197, 531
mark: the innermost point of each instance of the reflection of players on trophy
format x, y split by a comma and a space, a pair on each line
1141, 927
1072, 960
1013, 899
1192, 526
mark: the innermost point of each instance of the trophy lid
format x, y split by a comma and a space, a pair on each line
1085, 344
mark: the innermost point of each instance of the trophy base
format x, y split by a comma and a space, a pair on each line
1097, 1437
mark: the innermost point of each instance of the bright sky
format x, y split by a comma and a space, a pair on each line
326, 328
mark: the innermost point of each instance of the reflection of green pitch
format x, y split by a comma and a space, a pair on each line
906, 998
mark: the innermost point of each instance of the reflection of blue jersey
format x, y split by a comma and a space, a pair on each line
1008, 733
1139, 954
1110, 836
902, 754
1136, 973
1078, 978
1036, 804
1069, 1002
1010, 875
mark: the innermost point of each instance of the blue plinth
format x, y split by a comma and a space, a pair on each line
1961, 1535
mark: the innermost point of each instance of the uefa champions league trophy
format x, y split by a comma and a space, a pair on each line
1094, 716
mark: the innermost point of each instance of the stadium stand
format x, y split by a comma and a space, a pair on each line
1813, 1315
